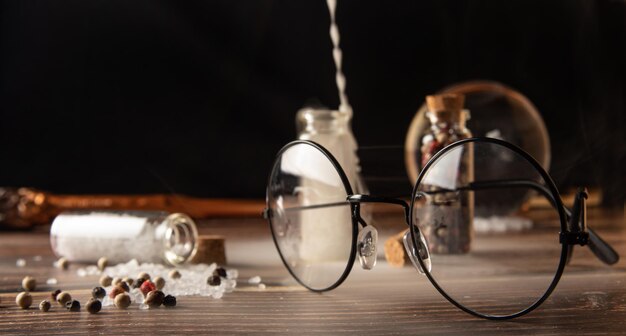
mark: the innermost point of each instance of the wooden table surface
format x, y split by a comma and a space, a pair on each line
385, 300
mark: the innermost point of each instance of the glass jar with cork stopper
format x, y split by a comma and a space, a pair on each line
447, 216
148, 236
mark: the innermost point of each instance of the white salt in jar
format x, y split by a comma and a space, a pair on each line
120, 236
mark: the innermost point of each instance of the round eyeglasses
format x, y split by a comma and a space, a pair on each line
460, 202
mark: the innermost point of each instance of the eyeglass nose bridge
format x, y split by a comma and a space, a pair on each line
422, 250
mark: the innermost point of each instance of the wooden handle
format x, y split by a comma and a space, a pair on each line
394, 250
24, 207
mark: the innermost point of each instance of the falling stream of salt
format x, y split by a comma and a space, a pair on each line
344, 106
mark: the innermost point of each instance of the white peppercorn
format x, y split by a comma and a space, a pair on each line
159, 282
103, 263
62, 263
44, 305
175, 274
63, 298
105, 281
24, 300
29, 283
122, 301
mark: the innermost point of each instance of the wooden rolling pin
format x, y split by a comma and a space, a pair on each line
24, 207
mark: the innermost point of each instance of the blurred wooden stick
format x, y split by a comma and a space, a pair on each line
24, 207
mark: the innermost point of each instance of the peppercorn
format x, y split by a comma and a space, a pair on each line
54, 294
93, 306
220, 271
116, 281
73, 306
29, 283
115, 291
175, 274
103, 262
147, 287
105, 281
24, 300
98, 293
159, 282
214, 280
62, 263
44, 306
129, 281
169, 301
125, 286
143, 275
122, 301
63, 298
154, 298
138, 282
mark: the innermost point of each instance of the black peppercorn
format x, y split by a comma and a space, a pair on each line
98, 293
93, 306
54, 294
154, 298
169, 301
125, 286
220, 271
138, 282
73, 306
214, 280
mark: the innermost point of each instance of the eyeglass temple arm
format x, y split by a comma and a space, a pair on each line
577, 217
268, 213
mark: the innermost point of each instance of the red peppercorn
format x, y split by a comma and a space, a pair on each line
116, 290
147, 287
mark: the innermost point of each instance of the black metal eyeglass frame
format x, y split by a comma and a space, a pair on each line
574, 230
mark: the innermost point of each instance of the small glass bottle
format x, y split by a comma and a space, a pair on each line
120, 236
331, 129
448, 216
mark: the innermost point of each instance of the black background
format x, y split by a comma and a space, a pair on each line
116, 96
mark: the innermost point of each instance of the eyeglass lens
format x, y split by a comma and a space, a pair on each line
311, 220
485, 253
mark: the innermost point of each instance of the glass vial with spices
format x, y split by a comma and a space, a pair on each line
448, 215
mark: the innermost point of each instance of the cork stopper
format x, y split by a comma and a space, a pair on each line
446, 107
210, 250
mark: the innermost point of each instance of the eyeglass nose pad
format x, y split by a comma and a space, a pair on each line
422, 249
366, 246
